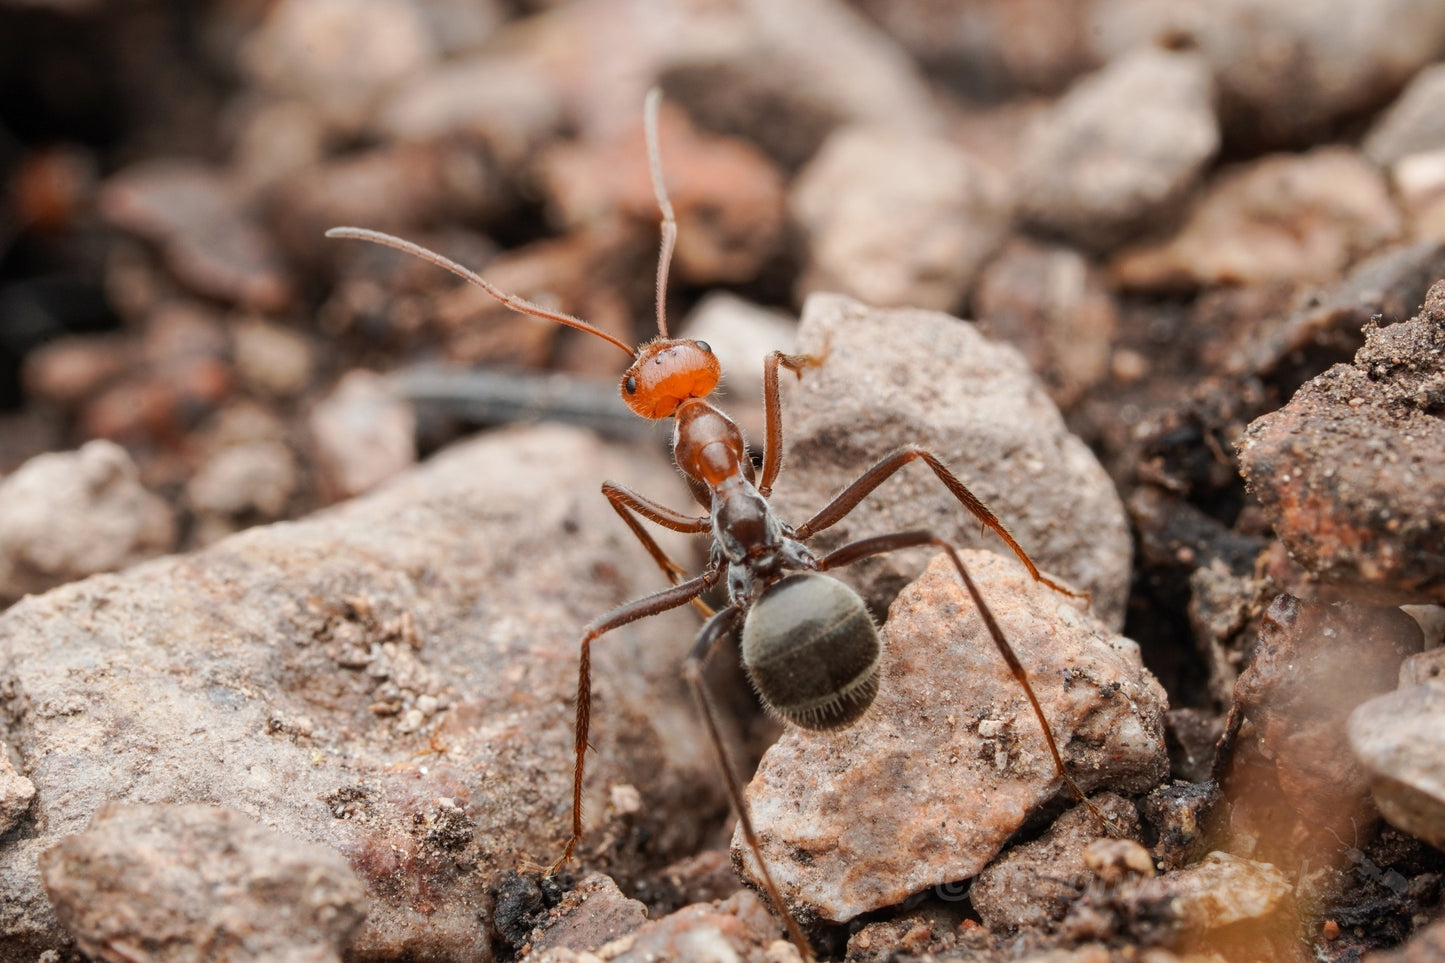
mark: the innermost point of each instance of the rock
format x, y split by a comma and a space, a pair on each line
727, 195
1289, 71
1414, 124
339, 56
66, 515
16, 792
1351, 473
891, 378
1053, 305
258, 477
364, 432
392, 678
1427, 945
742, 335
1286, 217
1120, 151
737, 928
1032, 886
207, 237
897, 219
505, 102
949, 762
1293, 794
190, 883
1399, 739
590, 915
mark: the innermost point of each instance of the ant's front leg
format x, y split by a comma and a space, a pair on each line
845, 502
773, 412
654, 604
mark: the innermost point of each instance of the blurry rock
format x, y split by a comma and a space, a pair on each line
1283, 218
989, 48
727, 195
738, 928
393, 678
1415, 122
1399, 738
1351, 473
897, 219
68, 370
779, 75
1289, 71
1426, 946
199, 882
893, 378
949, 762
206, 236
257, 477
272, 360
502, 101
1293, 791
1032, 886
393, 188
1052, 305
276, 139
1221, 890
1420, 183
742, 335
67, 515
1121, 149
16, 792
364, 432
340, 56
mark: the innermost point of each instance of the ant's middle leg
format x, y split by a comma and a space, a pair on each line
848, 500
879, 544
713, 634
654, 604
628, 504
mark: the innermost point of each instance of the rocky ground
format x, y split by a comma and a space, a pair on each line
298, 536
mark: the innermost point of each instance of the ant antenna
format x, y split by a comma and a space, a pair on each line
659, 188
521, 305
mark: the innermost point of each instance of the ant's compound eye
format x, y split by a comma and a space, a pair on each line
704, 346
629, 384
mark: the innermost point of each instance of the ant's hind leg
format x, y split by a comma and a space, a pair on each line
713, 634
849, 498
654, 604
879, 544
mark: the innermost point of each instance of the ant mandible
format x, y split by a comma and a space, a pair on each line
808, 642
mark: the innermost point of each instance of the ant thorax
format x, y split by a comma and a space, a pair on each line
758, 548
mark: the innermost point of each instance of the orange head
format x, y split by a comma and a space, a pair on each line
667, 372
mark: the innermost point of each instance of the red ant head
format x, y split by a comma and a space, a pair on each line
666, 372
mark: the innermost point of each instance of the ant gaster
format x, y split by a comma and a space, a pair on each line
808, 643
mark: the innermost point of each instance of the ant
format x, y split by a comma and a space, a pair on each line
808, 642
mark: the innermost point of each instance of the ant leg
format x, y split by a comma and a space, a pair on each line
773, 412
879, 544
630, 505
708, 639
881, 472
657, 602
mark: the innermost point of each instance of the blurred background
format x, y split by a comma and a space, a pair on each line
1179, 211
